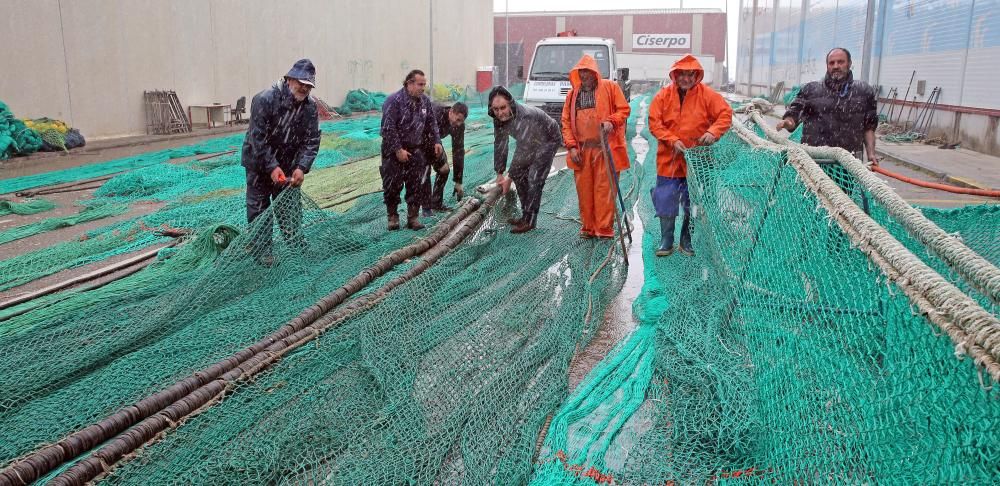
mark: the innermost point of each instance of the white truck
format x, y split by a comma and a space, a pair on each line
648, 72
656, 67
548, 77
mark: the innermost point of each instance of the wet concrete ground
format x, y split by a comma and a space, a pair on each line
939, 163
103, 151
68, 203
618, 320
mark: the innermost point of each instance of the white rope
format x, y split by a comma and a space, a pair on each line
976, 270
973, 330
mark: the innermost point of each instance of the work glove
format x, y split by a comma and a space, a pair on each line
459, 193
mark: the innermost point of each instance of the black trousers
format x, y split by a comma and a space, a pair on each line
398, 175
529, 168
260, 192
434, 194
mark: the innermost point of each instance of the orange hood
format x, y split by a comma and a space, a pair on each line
687, 63
586, 62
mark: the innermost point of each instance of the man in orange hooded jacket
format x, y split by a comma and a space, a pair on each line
594, 105
683, 114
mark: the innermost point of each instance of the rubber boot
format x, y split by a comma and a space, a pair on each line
412, 220
393, 218
685, 245
526, 224
666, 237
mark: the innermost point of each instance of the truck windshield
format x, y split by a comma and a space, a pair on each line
553, 62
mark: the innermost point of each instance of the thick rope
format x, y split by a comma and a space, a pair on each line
973, 330
132, 426
975, 269
202, 398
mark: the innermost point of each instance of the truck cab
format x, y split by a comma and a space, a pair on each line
548, 82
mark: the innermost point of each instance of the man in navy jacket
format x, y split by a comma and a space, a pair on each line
279, 149
408, 126
451, 122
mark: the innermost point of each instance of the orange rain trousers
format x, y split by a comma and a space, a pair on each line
593, 187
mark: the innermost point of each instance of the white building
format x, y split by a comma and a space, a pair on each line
88, 62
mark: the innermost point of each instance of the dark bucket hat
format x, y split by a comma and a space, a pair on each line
304, 71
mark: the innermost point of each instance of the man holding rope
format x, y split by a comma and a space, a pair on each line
837, 111
594, 107
280, 146
684, 114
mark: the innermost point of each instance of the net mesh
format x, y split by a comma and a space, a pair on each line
26, 207
778, 354
198, 190
16, 138
483, 355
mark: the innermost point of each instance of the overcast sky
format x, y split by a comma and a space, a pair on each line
561, 5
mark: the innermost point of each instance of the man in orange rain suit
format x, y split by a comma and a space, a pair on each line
592, 106
683, 114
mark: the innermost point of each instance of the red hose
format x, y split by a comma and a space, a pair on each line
935, 185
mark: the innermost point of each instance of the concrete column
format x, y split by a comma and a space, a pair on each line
753, 37
770, 57
560, 24
697, 20
626, 34
867, 47
802, 40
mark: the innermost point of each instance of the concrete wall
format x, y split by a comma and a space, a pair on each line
954, 44
88, 61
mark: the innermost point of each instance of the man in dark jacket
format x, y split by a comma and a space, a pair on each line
279, 148
450, 121
538, 137
408, 128
838, 111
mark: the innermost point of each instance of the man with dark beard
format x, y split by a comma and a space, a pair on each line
837, 111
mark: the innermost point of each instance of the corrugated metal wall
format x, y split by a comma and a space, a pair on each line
982, 66
791, 47
954, 44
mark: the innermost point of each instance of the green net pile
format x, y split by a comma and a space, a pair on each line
26, 207
15, 137
779, 354
360, 101
790, 95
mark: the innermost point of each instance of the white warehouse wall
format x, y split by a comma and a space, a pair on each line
88, 61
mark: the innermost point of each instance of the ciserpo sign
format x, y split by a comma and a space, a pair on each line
661, 41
